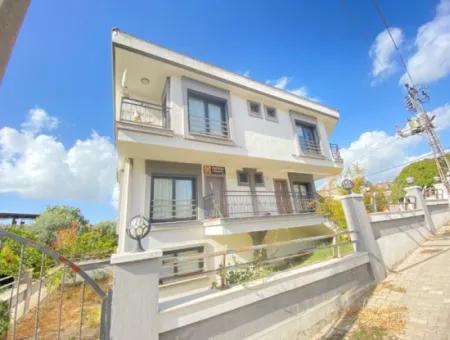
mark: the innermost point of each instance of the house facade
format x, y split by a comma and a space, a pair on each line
213, 159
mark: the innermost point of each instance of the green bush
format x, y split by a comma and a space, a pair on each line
10, 253
4, 318
90, 244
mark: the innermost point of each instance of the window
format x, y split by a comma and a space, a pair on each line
207, 114
173, 199
271, 114
254, 109
172, 268
243, 179
259, 179
308, 138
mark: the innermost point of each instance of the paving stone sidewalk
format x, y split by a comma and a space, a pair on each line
413, 302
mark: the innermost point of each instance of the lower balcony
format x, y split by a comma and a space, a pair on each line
233, 212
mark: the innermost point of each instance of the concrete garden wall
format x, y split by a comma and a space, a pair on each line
439, 212
287, 305
398, 234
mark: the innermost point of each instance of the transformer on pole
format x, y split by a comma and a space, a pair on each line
422, 123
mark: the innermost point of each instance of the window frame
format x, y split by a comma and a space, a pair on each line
267, 116
253, 113
261, 184
201, 263
209, 99
174, 178
242, 184
300, 124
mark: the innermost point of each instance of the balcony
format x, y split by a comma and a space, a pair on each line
146, 116
244, 211
335, 153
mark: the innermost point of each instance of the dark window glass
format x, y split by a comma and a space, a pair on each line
271, 113
255, 108
173, 199
207, 115
308, 139
259, 178
243, 178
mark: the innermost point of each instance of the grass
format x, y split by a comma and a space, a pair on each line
327, 253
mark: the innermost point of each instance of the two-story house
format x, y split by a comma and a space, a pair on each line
213, 159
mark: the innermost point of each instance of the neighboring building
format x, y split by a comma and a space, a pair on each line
214, 159
12, 13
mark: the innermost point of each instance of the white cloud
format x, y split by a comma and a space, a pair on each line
431, 59
282, 83
442, 120
382, 53
376, 151
38, 120
36, 165
245, 73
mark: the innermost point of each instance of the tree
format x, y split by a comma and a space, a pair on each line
106, 227
423, 172
55, 218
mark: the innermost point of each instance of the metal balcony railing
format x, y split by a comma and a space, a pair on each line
262, 203
141, 112
310, 147
335, 153
208, 126
173, 210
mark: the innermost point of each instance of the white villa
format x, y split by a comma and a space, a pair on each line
213, 159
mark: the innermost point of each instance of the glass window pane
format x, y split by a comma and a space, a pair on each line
216, 123
162, 198
197, 114
184, 198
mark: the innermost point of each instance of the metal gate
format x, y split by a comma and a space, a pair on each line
36, 293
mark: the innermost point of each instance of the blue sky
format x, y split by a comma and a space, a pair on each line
61, 70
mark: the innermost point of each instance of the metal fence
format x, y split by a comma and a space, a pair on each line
173, 210
49, 296
138, 111
209, 126
336, 153
233, 266
433, 194
258, 203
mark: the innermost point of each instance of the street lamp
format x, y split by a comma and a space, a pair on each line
347, 184
138, 228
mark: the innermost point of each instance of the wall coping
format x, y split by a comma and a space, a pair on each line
120, 258
238, 296
389, 216
437, 202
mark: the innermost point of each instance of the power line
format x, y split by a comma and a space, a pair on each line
386, 25
401, 164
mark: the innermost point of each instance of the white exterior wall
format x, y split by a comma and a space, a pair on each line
252, 136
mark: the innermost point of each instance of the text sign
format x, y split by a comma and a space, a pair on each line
211, 170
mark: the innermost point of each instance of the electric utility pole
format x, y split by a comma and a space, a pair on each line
422, 123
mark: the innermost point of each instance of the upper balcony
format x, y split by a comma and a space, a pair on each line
159, 93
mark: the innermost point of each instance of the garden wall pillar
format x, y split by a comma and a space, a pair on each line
358, 221
416, 191
134, 309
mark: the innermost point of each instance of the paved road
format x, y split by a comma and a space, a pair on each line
413, 302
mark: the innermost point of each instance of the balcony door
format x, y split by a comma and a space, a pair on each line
302, 196
282, 198
215, 188
173, 198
